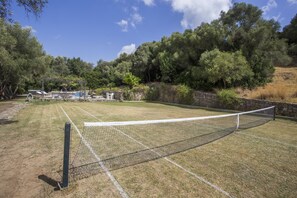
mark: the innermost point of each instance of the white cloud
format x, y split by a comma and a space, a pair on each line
270, 4
30, 28
124, 25
149, 2
135, 9
134, 19
292, 1
128, 49
197, 11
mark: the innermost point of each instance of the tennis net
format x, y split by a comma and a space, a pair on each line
120, 144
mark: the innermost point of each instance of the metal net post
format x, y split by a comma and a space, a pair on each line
65, 179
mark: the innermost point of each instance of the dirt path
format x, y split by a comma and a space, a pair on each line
9, 109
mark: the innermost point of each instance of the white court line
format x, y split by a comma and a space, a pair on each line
167, 159
267, 139
111, 177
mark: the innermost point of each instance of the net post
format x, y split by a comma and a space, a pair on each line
274, 112
237, 121
65, 181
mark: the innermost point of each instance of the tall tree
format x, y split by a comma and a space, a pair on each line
229, 68
145, 64
22, 59
257, 38
290, 33
78, 67
30, 6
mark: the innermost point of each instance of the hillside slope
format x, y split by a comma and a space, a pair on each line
282, 88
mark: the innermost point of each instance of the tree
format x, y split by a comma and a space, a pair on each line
226, 67
93, 79
145, 65
120, 71
106, 71
30, 6
59, 66
166, 66
257, 38
290, 33
78, 67
22, 59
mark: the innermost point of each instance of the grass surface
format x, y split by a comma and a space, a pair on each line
257, 162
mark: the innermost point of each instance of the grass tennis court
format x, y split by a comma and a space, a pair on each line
256, 162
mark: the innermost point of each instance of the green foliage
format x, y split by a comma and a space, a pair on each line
22, 59
93, 79
78, 67
166, 67
226, 67
145, 63
60, 74
120, 71
153, 93
240, 48
240, 34
290, 31
185, 94
228, 97
131, 80
128, 94
256, 38
170, 93
141, 88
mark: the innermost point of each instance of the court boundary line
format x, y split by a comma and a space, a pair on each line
166, 158
101, 164
266, 139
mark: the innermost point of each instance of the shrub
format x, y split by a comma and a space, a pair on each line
153, 93
128, 94
184, 94
131, 80
141, 88
228, 97
273, 93
99, 91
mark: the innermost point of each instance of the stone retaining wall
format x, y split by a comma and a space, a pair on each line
211, 100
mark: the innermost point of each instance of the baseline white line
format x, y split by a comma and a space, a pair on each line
267, 139
167, 159
111, 177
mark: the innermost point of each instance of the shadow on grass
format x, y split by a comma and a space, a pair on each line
49, 181
7, 121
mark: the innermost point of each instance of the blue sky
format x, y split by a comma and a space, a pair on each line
101, 29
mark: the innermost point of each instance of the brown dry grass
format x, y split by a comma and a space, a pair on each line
282, 88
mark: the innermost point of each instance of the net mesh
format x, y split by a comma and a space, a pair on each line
114, 145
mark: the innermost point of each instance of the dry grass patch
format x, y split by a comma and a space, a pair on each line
272, 92
282, 88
